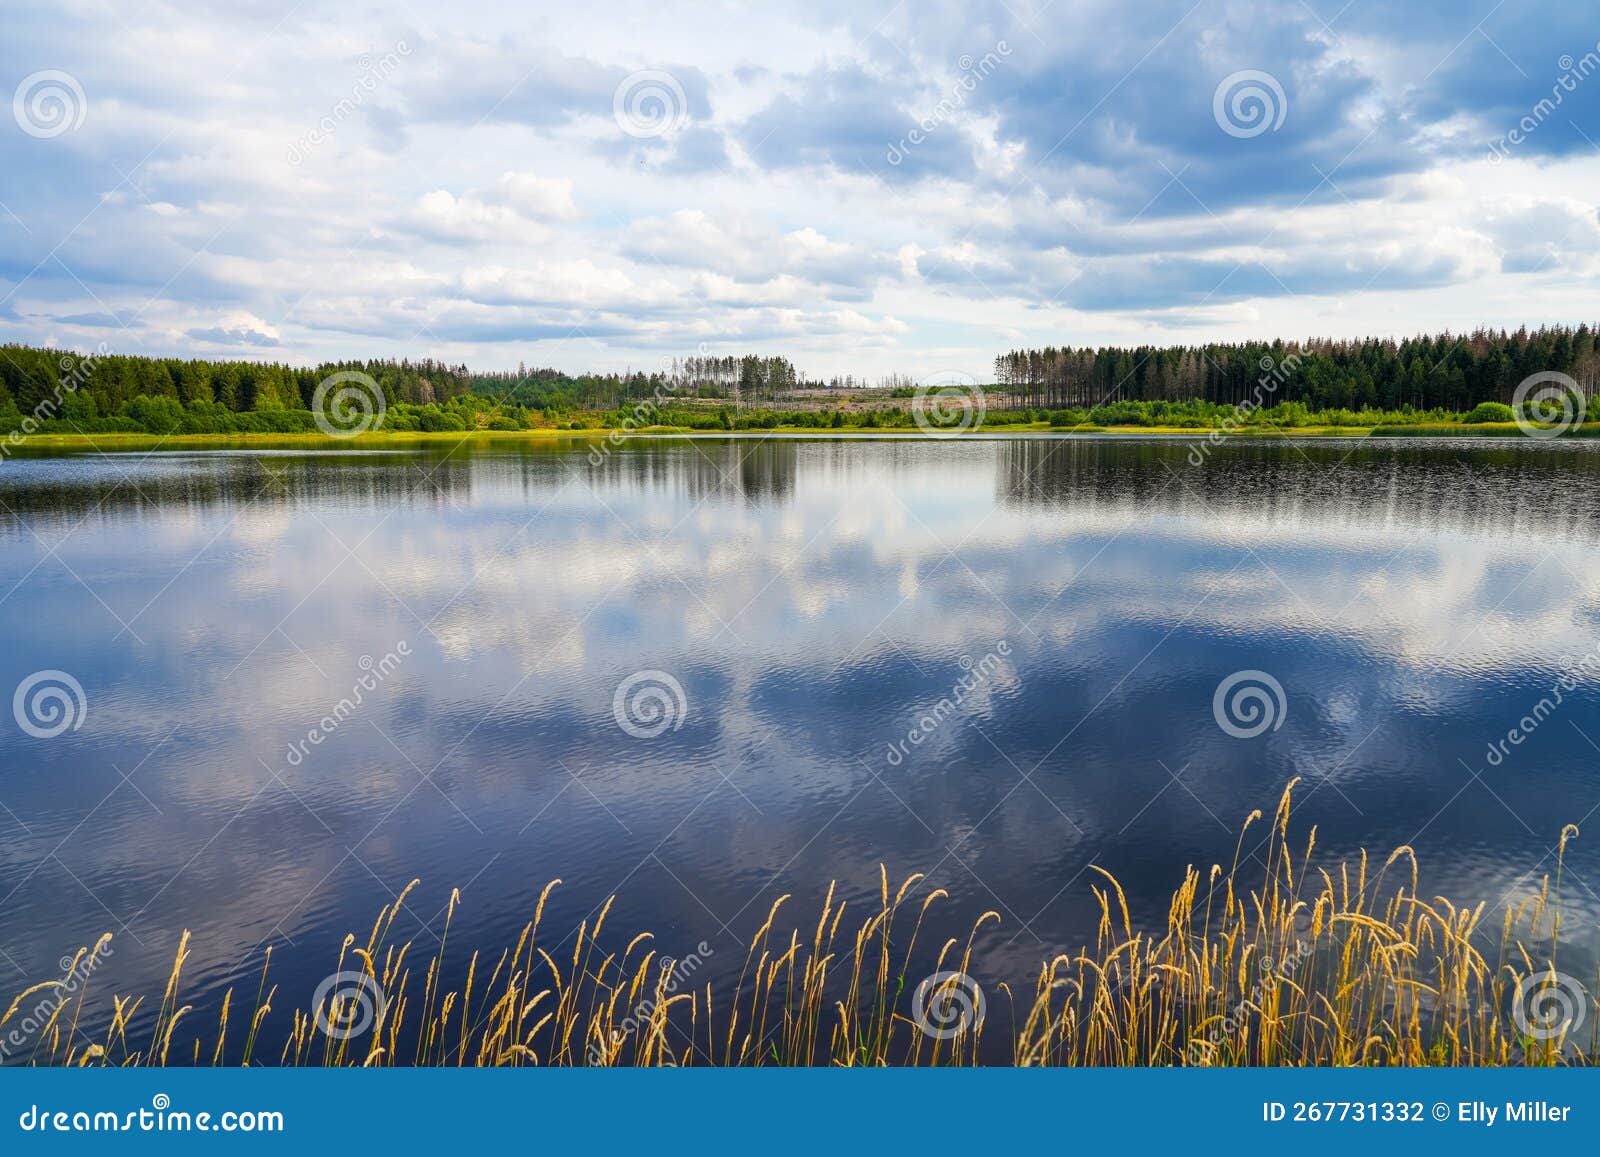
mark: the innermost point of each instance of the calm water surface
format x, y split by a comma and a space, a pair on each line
815, 601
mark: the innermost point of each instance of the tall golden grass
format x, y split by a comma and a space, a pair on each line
1310, 966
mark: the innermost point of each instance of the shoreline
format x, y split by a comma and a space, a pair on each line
381, 439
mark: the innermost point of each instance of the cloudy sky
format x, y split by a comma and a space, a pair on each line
868, 187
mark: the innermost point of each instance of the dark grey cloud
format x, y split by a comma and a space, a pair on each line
1111, 101
1499, 64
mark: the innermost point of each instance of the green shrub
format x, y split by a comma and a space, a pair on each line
1490, 412
434, 420
275, 422
159, 415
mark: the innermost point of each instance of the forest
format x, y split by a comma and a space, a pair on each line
1320, 381
747, 379
99, 392
102, 392
1446, 371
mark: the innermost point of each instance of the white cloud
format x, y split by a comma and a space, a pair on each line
744, 250
514, 210
236, 329
579, 282
479, 203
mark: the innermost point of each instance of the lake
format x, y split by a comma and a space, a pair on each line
703, 673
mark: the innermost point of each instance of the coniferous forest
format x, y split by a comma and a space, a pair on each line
1443, 371
94, 392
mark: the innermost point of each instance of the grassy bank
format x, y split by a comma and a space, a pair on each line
381, 439
1479, 430
1301, 964
458, 423
378, 439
